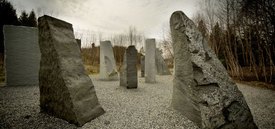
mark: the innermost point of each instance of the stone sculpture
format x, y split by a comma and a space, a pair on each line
107, 62
150, 61
162, 68
142, 65
203, 90
66, 91
128, 72
22, 55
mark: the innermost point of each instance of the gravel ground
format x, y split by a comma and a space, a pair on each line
148, 106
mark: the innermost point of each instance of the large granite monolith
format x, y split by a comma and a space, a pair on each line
128, 72
142, 65
22, 55
203, 91
150, 61
66, 91
162, 68
108, 69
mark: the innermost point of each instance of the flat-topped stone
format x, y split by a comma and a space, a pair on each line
150, 61
66, 91
108, 69
128, 72
22, 55
203, 91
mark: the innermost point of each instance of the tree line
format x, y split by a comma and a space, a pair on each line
8, 16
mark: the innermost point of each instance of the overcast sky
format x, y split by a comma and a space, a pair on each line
111, 16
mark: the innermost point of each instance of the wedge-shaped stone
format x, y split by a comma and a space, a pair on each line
66, 91
203, 91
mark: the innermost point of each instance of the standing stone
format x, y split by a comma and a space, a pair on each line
203, 91
128, 72
142, 65
107, 62
162, 68
150, 61
66, 91
22, 55
78, 41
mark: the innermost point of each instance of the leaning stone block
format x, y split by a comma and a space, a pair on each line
107, 62
66, 91
128, 72
162, 68
203, 91
22, 55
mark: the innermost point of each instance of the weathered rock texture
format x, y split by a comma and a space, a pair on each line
22, 55
128, 72
162, 68
142, 65
150, 61
203, 91
107, 62
78, 41
66, 91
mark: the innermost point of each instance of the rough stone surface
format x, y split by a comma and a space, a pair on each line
128, 72
203, 91
108, 69
22, 55
150, 61
162, 68
66, 91
78, 41
142, 65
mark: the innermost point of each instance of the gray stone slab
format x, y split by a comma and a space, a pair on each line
66, 91
162, 68
128, 72
150, 61
78, 41
22, 55
203, 91
108, 69
142, 65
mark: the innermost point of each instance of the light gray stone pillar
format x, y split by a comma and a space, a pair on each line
66, 91
203, 91
150, 61
162, 68
22, 55
108, 69
128, 72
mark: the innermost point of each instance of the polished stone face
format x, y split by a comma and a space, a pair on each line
203, 91
66, 91
128, 72
150, 61
108, 69
22, 55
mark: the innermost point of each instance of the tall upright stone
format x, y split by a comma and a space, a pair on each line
162, 68
78, 41
128, 72
108, 69
150, 61
142, 65
66, 91
203, 90
22, 55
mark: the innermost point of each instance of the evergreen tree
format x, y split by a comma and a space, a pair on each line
32, 19
24, 19
7, 17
